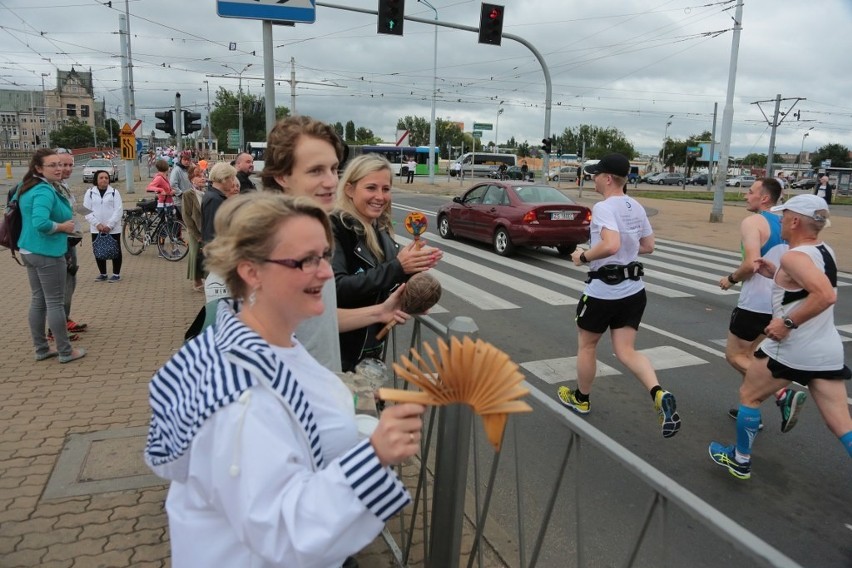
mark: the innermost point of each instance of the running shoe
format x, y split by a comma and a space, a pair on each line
664, 402
724, 456
114, 278
569, 400
71, 336
101, 278
734, 412
74, 327
790, 404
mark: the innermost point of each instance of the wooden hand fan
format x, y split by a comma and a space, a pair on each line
471, 372
422, 291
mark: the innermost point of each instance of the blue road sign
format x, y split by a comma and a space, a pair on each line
302, 11
138, 145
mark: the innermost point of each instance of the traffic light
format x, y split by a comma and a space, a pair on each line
491, 24
546, 144
391, 16
168, 124
189, 122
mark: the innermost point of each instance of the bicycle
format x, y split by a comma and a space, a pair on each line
145, 224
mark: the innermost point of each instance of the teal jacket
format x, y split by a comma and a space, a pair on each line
41, 208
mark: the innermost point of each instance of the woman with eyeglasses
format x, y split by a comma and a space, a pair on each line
368, 263
258, 438
46, 217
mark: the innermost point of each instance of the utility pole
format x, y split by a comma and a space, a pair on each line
716, 214
712, 146
775, 123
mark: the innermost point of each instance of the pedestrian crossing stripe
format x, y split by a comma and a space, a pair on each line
555, 371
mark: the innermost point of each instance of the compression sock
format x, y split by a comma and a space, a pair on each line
846, 440
654, 392
748, 424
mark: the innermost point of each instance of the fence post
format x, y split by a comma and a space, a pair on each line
451, 458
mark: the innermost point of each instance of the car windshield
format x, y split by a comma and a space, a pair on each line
541, 194
98, 164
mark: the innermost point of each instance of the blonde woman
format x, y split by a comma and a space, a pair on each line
258, 439
368, 263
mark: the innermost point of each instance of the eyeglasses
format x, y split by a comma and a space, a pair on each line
307, 264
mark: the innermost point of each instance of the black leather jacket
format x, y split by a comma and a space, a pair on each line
362, 281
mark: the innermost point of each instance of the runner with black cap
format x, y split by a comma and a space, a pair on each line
614, 297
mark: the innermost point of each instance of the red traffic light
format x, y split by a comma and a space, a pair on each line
494, 14
491, 24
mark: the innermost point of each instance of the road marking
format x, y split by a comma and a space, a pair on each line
471, 294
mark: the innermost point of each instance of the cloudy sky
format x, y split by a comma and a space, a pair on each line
628, 64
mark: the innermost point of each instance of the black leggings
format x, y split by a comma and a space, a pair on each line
116, 262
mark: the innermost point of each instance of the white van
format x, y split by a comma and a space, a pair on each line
483, 163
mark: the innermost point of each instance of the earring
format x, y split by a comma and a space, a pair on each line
252, 297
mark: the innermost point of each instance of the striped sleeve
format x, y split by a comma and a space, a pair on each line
378, 487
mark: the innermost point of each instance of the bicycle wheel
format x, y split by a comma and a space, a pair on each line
171, 242
133, 235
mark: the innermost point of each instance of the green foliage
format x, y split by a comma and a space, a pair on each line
116, 128
349, 131
74, 134
837, 153
447, 133
226, 115
675, 150
599, 141
338, 127
524, 150
755, 159
365, 136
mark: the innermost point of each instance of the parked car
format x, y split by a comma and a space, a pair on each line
740, 181
512, 173
565, 173
511, 214
807, 183
99, 164
700, 179
666, 178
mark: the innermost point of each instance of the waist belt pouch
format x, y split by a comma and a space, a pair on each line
613, 274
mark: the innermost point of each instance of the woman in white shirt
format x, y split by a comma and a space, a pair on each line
106, 209
258, 439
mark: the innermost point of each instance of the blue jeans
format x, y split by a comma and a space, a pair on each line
47, 276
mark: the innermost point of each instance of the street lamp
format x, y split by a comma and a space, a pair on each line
434, 94
665, 137
240, 100
497, 129
206, 82
801, 151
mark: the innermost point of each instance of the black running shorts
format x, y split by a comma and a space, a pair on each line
596, 315
748, 325
781, 371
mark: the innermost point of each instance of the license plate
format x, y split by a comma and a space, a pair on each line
562, 216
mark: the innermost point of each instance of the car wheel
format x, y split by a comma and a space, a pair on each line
661, 182
556, 178
566, 250
680, 182
737, 184
502, 243
444, 227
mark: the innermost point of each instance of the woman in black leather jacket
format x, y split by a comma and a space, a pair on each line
368, 264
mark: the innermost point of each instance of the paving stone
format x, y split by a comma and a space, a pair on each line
134, 539
82, 547
83, 519
37, 540
23, 558
58, 508
124, 526
149, 552
27, 526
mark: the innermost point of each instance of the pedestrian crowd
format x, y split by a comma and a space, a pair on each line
251, 423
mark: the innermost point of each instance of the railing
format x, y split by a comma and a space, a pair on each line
608, 518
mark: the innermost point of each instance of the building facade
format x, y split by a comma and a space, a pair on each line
28, 117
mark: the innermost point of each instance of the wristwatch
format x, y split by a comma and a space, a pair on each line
789, 324
731, 278
583, 258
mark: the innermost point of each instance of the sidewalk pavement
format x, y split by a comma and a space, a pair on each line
74, 491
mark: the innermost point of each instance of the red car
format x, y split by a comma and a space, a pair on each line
513, 213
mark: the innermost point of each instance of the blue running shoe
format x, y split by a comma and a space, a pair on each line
724, 456
790, 404
664, 402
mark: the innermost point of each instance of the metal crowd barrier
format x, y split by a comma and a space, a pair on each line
451, 444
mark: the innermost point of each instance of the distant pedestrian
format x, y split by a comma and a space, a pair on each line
457, 167
106, 208
614, 297
179, 178
824, 189
525, 171
412, 167
245, 167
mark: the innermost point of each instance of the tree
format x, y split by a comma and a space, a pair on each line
111, 125
365, 136
226, 115
350, 131
837, 153
599, 141
418, 130
524, 149
74, 134
338, 127
755, 160
447, 134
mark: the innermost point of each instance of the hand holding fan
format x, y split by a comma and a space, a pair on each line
471, 372
422, 291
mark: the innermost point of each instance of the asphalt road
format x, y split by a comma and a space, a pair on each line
799, 499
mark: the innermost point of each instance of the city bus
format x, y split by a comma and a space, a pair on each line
398, 156
257, 151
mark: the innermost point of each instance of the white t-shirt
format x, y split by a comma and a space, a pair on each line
320, 334
627, 217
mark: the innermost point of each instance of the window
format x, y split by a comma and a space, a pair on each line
23, 132
84, 111
70, 110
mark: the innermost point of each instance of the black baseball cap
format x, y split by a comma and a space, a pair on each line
615, 164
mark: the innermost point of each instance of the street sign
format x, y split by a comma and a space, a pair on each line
483, 126
233, 138
302, 11
477, 133
127, 142
139, 143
